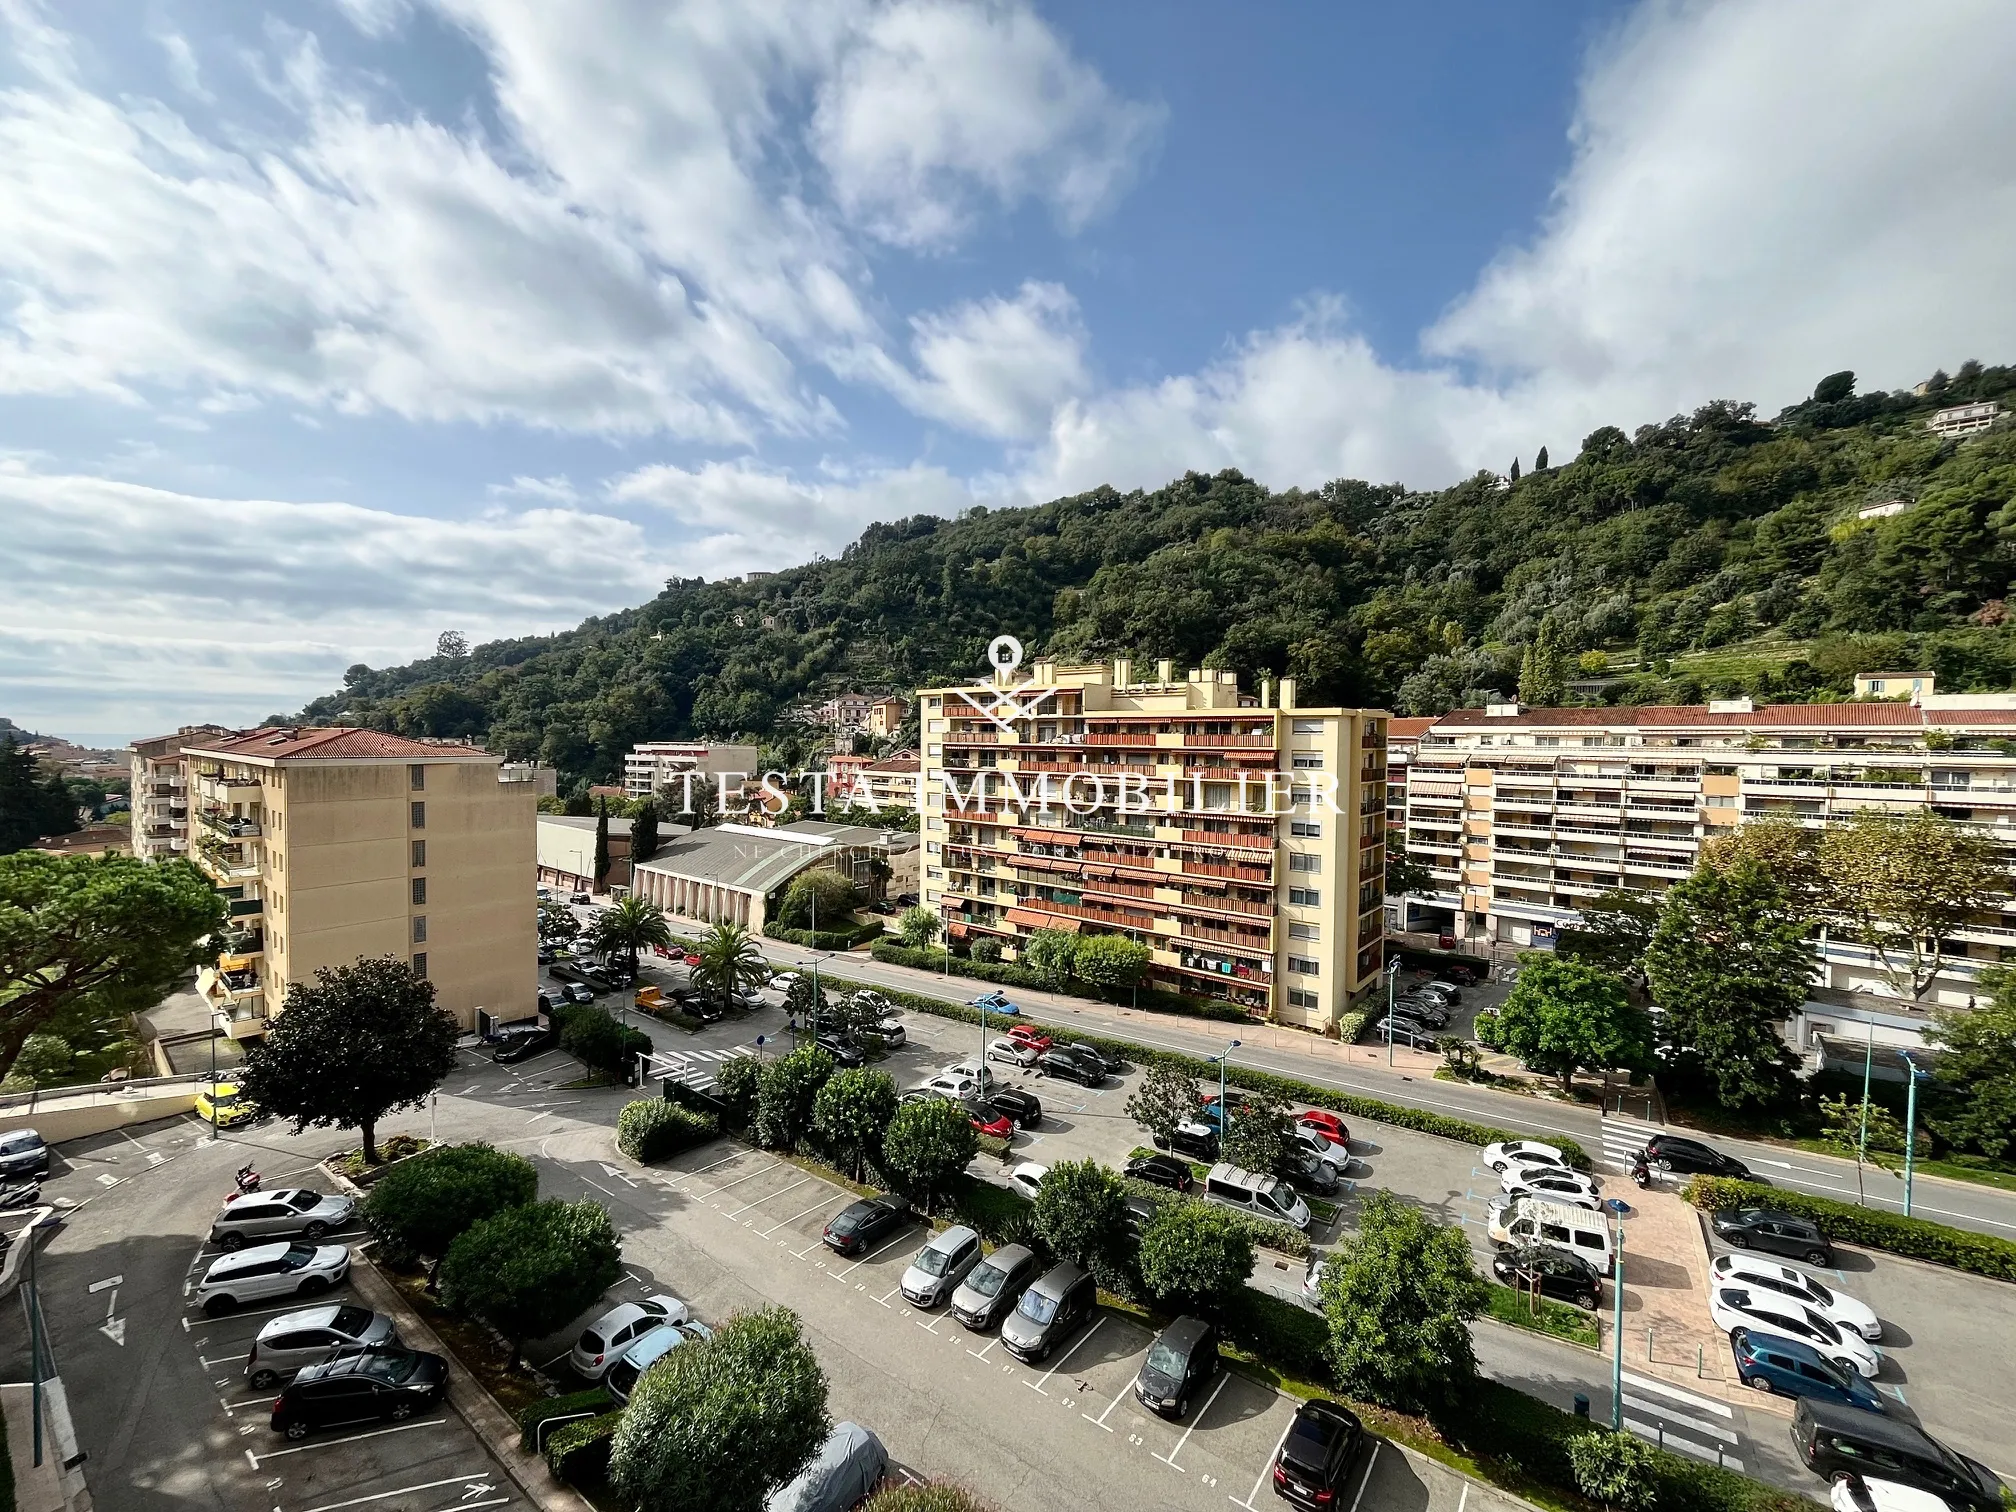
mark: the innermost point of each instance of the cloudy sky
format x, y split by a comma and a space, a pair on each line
329, 325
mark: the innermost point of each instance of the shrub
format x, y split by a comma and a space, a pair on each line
1485, 1027
1350, 1026
579, 1452
986, 952
529, 1270
1265, 1233
652, 1129
927, 1143
784, 1103
420, 1206
1918, 1238
827, 939
850, 1112
737, 1084
1080, 1211
1615, 1469
994, 1213
1195, 1255
925, 1498
1281, 1333
593, 1400
596, 1040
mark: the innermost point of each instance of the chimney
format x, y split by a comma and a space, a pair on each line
1266, 692
1165, 671
1123, 671
1287, 692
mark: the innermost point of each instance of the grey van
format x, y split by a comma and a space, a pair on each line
1260, 1196
992, 1286
1049, 1312
1834, 1440
278, 1215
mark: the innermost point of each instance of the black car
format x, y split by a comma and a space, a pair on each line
522, 1044
587, 976
1317, 1455
1020, 1108
845, 1051
1689, 1157
1178, 1364
1569, 1278
1161, 1170
1774, 1233
1090, 1055
1140, 1213
1198, 1141
1064, 1062
363, 1388
860, 1224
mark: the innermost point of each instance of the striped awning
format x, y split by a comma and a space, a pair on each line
1028, 920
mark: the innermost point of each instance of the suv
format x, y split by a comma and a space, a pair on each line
270, 1270
360, 1389
1049, 1312
1832, 1440
1197, 1140
1557, 1274
1690, 1157
1317, 1455
1774, 1233
22, 1153
1180, 1361
1065, 1061
271, 1215
314, 1336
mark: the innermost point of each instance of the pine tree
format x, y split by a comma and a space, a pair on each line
1540, 460
1543, 670
1514, 474
644, 832
601, 842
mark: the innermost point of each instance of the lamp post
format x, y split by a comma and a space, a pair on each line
1224, 1108
1868, 1059
1617, 1333
1392, 976
1910, 1124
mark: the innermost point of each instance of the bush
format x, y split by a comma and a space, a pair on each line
987, 952
737, 1084
1265, 1233
1350, 1026
1485, 1027
593, 1400
1281, 1333
927, 1144
1616, 1469
529, 1270
596, 1040
652, 1129
1917, 1238
994, 1213
827, 939
1081, 1212
1195, 1256
421, 1206
579, 1452
925, 1498
790, 1088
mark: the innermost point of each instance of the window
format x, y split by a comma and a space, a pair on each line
417, 775
1304, 965
1308, 761
1304, 932
420, 890
419, 929
420, 964
1306, 726
1306, 829
419, 816
1305, 897
1297, 998
1721, 800
419, 852
1298, 862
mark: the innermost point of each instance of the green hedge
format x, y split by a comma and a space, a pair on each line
652, 1129
1558, 1319
1918, 1238
1281, 1237
826, 939
1284, 1334
595, 1399
994, 1213
580, 1451
1012, 974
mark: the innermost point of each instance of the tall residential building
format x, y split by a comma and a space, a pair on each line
659, 766
334, 844
1278, 912
160, 798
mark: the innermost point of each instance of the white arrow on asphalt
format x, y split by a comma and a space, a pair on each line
115, 1330
611, 1170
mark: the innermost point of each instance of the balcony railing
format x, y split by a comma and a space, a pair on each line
234, 826
1215, 837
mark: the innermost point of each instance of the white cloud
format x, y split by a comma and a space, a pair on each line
375, 18
940, 103
182, 66
997, 367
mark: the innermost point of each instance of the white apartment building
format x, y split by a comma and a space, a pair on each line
160, 792
1965, 419
658, 765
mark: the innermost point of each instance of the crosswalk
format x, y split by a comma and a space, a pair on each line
1683, 1421
688, 1068
1623, 1138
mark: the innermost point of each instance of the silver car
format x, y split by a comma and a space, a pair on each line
277, 1215
311, 1336
992, 1286
270, 1270
940, 1266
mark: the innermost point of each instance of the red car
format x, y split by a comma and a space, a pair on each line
1035, 1039
692, 960
990, 1120
1328, 1124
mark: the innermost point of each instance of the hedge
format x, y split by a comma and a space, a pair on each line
1283, 1238
595, 1399
994, 1213
1012, 974
1917, 1238
1350, 1026
826, 939
580, 1451
653, 1129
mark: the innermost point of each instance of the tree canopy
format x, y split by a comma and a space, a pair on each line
533, 1268
1564, 1016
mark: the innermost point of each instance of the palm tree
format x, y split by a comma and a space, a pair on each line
628, 925
729, 960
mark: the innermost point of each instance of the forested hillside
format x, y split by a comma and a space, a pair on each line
1712, 554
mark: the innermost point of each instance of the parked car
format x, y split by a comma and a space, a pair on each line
889, 1031
1060, 1061
1423, 1010
1198, 1141
1314, 1173
360, 1388
958, 1088
1791, 1367
1027, 1178
1328, 1124
623, 1376
1161, 1170
974, 1071
1774, 1233
846, 1471
1402, 1032
23, 1153
1316, 1458
1840, 1309
1013, 1053
1022, 1108
859, 1225
603, 1342
1255, 1194
1139, 1213
1570, 1187
1183, 1358
523, 1044
1737, 1309
1690, 1157
992, 1286
579, 899
784, 981
1525, 1153
986, 1119
261, 1271
272, 1215
1092, 1056
1448, 992
224, 1105
843, 1050
576, 992
1834, 1440
1034, 1038
1317, 1146
1869, 1493
1562, 1276
548, 999
940, 1266
1049, 1312
311, 1336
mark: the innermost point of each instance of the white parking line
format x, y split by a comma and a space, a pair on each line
1169, 1459
1100, 1421
259, 1459
498, 1501
210, 1364
358, 1501
981, 1354
1370, 1460
767, 1196
766, 1233
902, 1238
1265, 1470
1037, 1384
763, 1170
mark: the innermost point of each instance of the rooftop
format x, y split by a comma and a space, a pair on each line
1883, 715
755, 860
617, 826
336, 743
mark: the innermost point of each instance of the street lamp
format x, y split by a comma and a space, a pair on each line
1910, 1123
1224, 1109
1392, 976
1617, 1329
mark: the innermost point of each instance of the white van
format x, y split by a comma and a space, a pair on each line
1523, 1221
1266, 1197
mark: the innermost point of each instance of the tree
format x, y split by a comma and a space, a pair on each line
1564, 1016
718, 1424
1783, 847
593, 1037
790, 1088
530, 1270
1514, 474
1616, 1468
1166, 1097
1048, 953
1109, 960
1262, 1134
423, 1205
451, 644
95, 935
737, 1084
1615, 929
854, 1015
919, 927
850, 1112
631, 925
807, 1001
1540, 460
1906, 882
1834, 387
927, 1143
1404, 875
1543, 670
1399, 1298
1081, 1209
815, 895
602, 862
1195, 1257
357, 1043
644, 832
1862, 1131
730, 960
32, 803
1973, 1103
558, 924
46, 1060
1729, 963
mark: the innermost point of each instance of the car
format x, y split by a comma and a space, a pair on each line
23, 1153
604, 1342
285, 1211
992, 1286
622, 1377
224, 1105
1690, 1157
957, 1088
1027, 1178
1571, 1187
1198, 1141
312, 1335
1060, 1062
1022, 1108
1774, 1233
587, 976
1840, 1309
360, 1388
784, 981
1314, 1173
1182, 1359
523, 1044
1870, 1493
576, 992
1400, 1032
1161, 1170
1422, 1010
974, 1071
940, 1266
1313, 1466
1791, 1367
1524, 1152
1013, 1053
993, 1002
747, 1002
1326, 1123
842, 1049
1034, 1038
887, 1030
1556, 1273
1138, 1213
987, 1120
1448, 992
859, 1225
579, 899
1737, 1309
260, 1271
548, 999
1049, 1312
847, 1469
1319, 1148
1092, 1056
1830, 1440
546, 955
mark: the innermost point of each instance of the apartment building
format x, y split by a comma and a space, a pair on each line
660, 765
1241, 838
885, 782
160, 797
1964, 419
335, 844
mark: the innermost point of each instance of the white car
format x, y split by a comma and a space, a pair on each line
1311, 1141
1571, 1187
603, 1342
1762, 1275
973, 1070
1020, 1056
1760, 1312
1867, 1493
1312, 1283
784, 981
1525, 1153
958, 1088
1027, 1178
270, 1270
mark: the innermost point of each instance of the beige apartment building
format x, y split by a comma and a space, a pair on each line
659, 766
1156, 823
334, 844
160, 796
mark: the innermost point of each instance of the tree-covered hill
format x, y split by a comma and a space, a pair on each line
1712, 554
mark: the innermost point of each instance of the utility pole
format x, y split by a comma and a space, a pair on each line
1910, 1125
1617, 1334
1224, 1107
1392, 976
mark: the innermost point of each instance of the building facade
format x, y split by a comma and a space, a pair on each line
886, 715
660, 765
160, 796
1965, 419
1240, 838
566, 844
334, 844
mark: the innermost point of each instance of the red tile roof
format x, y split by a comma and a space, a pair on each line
337, 742
1407, 729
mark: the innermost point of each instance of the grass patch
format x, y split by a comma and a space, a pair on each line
351, 1163
1556, 1319
477, 1349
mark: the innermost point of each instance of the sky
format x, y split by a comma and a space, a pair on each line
331, 325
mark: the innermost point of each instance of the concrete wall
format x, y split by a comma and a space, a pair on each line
59, 1119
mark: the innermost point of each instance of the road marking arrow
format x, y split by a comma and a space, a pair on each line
98, 1286
115, 1330
608, 1169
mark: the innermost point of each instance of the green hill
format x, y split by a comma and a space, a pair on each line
1714, 554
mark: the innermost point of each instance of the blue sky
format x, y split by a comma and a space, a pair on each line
327, 326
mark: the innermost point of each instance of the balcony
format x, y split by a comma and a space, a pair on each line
1214, 837
233, 826
240, 908
1587, 810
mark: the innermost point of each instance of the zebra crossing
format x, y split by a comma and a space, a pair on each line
1623, 1138
1681, 1420
687, 1066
